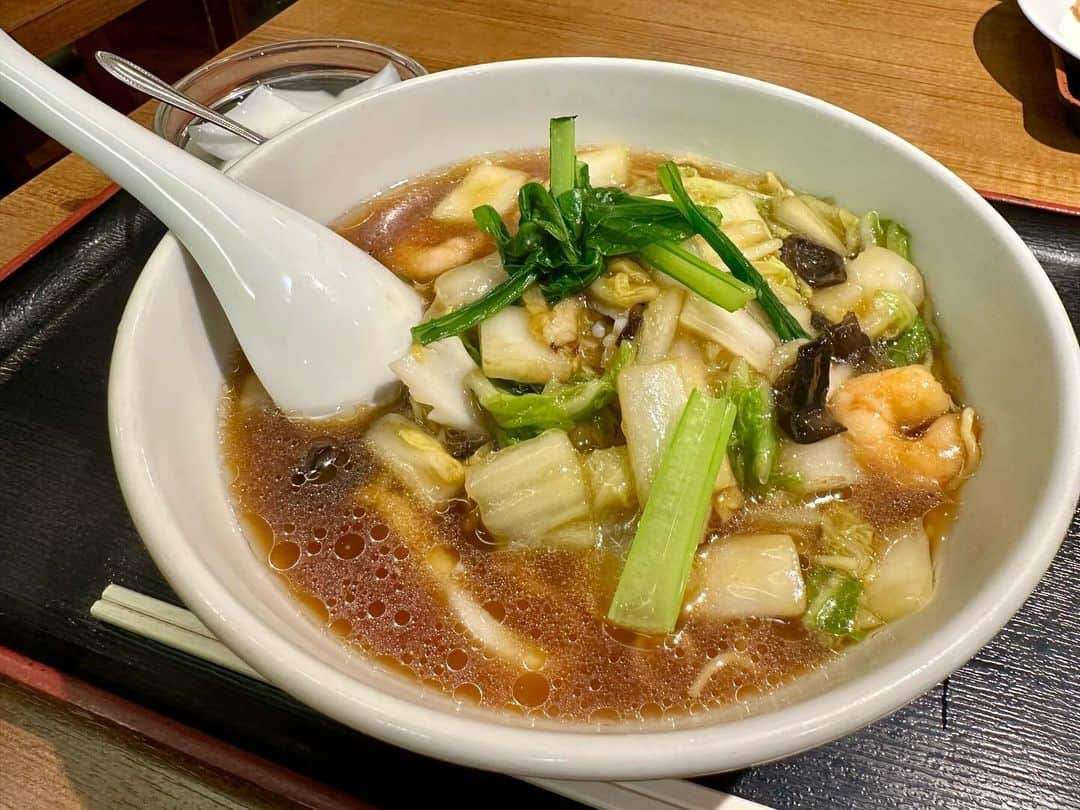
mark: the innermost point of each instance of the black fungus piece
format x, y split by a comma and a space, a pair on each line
460, 444
633, 322
849, 343
813, 263
322, 462
820, 322
801, 406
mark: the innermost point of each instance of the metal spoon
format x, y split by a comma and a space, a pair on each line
319, 319
144, 81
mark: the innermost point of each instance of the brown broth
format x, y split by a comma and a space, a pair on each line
371, 567
364, 574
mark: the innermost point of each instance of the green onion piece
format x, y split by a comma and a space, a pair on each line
456, 322
562, 155
898, 240
649, 595
711, 283
787, 328
832, 601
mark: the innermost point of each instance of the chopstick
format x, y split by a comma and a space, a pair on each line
181, 630
166, 624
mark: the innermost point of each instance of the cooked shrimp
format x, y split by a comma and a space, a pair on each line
879, 410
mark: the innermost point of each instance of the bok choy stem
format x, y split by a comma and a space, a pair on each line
561, 155
787, 328
711, 283
649, 595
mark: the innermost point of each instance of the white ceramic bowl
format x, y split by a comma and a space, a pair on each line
1009, 336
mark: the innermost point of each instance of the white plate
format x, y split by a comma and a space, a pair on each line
1056, 21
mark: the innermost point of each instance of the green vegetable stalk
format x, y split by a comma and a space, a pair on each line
650, 592
782, 321
522, 416
711, 283
458, 321
562, 155
754, 436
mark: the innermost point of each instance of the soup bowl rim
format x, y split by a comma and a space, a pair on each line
597, 753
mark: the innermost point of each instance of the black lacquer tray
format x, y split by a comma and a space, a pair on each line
1004, 731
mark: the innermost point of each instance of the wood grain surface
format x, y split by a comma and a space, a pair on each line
969, 81
59, 758
45, 26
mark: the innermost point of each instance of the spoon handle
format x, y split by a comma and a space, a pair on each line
146, 82
167, 180
319, 319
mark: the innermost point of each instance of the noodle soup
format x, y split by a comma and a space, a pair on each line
670, 435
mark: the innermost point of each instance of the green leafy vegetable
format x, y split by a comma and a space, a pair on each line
783, 321
456, 322
832, 601
848, 539
754, 436
650, 592
524, 415
909, 348
621, 223
870, 230
563, 236
779, 275
711, 283
897, 239
892, 314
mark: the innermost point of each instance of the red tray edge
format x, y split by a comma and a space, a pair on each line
50, 236
210, 751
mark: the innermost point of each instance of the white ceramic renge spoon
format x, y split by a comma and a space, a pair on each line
318, 318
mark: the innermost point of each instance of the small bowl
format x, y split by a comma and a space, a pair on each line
333, 65
1008, 334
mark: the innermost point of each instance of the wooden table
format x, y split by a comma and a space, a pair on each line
1001, 728
45, 26
969, 81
